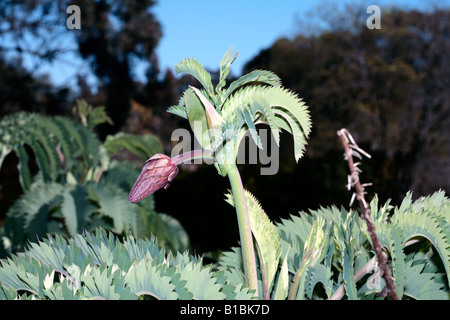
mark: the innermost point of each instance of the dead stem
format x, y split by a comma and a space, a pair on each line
352, 149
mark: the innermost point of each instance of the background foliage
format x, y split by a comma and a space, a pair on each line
387, 86
100, 266
77, 183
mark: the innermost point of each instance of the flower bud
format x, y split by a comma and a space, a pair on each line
157, 173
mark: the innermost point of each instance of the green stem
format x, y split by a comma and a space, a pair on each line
297, 278
245, 232
192, 155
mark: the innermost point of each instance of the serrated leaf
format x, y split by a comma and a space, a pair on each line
201, 283
96, 116
98, 285
194, 68
319, 274
62, 291
145, 279
253, 77
348, 275
417, 222
251, 127
224, 68
282, 284
113, 203
144, 146
421, 286
178, 110
266, 237
164, 227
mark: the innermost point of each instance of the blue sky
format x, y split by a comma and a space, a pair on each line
206, 29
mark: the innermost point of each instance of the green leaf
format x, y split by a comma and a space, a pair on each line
178, 110
68, 209
144, 146
83, 206
45, 151
346, 242
254, 77
7, 293
225, 63
197, 119
145, 279
276, 106
201, 283
96, 116
266, 237
62, 291
348, 274
251, 127
280, 109
194, 68
99, 266
73, 130
282, 284
421, 286
231, 263
48, 255
42, 160
24, 171
13, 275
169, 231
27, 217
420, 221
113, 203
283, 98
319, 274
99, 284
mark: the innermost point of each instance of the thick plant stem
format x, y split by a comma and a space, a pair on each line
245, 232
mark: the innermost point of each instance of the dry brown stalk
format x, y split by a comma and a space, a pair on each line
352, 149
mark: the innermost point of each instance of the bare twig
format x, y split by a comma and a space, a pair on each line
352, 149
368, 267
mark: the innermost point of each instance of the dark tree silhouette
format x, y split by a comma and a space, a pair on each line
387, 86
114, 37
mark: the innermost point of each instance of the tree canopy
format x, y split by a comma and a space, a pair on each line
387, 86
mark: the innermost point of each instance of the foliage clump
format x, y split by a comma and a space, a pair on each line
80, 183
100, 265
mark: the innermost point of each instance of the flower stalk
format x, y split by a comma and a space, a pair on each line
245, 232
192, 155
219, 119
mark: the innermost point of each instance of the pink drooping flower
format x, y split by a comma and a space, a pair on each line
157, 173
